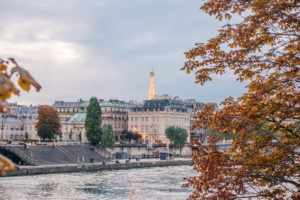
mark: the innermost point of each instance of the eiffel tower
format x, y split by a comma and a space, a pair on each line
151, 88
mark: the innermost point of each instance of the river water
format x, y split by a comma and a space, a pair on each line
147, 183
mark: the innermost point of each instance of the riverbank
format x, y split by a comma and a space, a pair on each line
92, 167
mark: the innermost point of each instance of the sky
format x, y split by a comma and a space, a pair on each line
106, 48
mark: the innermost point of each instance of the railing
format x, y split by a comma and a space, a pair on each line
23, 156
100, 150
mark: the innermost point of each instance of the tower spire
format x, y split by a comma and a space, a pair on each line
151, 88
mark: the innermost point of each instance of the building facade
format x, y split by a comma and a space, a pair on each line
18, 121
72, 117
65, 109
114, 112
153, 118
73, 130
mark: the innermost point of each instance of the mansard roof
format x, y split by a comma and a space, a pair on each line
103, 103
63, 104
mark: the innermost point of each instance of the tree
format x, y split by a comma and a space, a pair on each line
213, 131
130, 136
26, 136
92, 123
71, 135
45, 132
48, 115
108, 136
177, 136
263, 50
7, 87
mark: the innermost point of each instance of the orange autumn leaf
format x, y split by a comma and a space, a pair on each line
5, 163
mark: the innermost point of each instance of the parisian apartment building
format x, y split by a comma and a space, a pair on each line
72, 116
153, 117
18, 122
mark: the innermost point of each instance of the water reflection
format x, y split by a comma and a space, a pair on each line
148, 183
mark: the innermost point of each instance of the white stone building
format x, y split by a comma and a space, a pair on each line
155, 116
18, 121
73, 129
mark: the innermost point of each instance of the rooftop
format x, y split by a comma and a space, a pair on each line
63, 104
78, 117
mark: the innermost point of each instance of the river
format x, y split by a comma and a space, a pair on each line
147, 183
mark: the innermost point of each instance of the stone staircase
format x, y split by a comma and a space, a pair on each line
53, 155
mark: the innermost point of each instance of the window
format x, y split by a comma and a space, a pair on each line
136, 119
142, 119
146, 119
153, 119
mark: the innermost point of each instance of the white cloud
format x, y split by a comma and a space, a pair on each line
102, 48
37, 39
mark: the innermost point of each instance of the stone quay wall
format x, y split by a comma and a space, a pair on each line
92, 167
138, 150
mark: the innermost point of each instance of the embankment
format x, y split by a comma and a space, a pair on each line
92, 167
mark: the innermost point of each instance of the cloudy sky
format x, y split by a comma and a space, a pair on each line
106, 48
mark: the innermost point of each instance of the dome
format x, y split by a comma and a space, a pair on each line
78, 117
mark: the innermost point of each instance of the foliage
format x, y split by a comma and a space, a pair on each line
7, 87
45, 132
213, 131
48, 115
6, 163
176, 135
6, 84
263, 50
71, 135
108, 136
92, 123
130, 136
26, 136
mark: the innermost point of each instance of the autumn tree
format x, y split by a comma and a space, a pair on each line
263, 50
177, 136
48, 115
45, 132
8, 87
93, 122
108, 136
